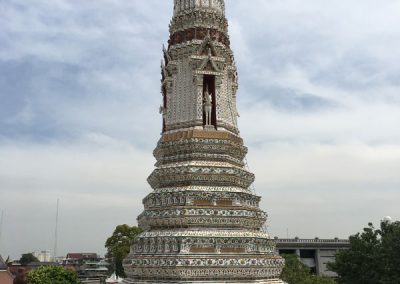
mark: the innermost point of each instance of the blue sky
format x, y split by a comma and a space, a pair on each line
319, 101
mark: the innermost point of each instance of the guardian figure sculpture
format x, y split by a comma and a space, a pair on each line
208, 107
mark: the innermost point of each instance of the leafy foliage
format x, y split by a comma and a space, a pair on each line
373, 258
296, 272
52, 275
118, 246
27, 258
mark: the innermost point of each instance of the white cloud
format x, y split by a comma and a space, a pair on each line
326, 190
100, 183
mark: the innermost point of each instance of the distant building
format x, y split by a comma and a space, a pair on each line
90, 267
59, 259
14, 267
79, 258
94, 269
315, 253
43, 256
5, 275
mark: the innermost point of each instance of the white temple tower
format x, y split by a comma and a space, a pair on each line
202, 222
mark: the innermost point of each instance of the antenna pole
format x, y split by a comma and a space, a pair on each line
56, 232
1, 225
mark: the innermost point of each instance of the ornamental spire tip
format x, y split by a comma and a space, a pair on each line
183, 6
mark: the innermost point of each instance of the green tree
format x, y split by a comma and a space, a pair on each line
296, 272
390, 239
118, 246
52, 275
373, 257
27, 258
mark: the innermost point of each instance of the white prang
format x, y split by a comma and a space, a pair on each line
387, 219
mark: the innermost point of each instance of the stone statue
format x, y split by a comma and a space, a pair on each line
207, 107
163, 111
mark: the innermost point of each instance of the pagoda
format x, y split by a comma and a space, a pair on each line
202, 222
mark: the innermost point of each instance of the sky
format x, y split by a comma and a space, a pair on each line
319, 101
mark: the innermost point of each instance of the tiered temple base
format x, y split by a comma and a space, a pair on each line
189, 255
201, 222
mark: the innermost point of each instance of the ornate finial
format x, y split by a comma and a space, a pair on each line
182, 6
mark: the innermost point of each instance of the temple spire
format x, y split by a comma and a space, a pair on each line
202, 222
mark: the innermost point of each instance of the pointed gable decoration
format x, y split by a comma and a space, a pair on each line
209, 64
206, 45
164, 73
207, 48
167, 57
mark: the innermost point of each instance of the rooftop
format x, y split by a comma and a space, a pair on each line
3, 265
316, 240
81, 255
39, 264
312, 243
